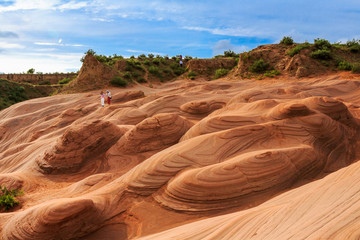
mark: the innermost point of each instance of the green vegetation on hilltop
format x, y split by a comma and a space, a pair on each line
295, 50
287, 41
12, 92
259, 66
306, 59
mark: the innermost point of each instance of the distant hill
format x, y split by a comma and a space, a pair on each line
284, 60
12, 92
99, 71
299, 60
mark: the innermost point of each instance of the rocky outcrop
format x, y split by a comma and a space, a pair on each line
209, 66
93, 74
78, 146
154, 133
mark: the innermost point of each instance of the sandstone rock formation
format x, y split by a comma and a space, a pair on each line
187, 160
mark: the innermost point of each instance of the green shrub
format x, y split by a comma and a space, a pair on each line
187, 58
45, 82
221, 72
154, 70
355, 68
272, 73
352, 43
355, 48
140, 68
321, 54
322, 44
174, 65
64, 81
230, 53
142, 80
7, 198
325, 63
163, 61
293, 51
127, 75
191, 75
167, 70
268, 74
344, 65
150, 55
108, 60
31, 71
287, 41
130, 62
259, 66
245, 57
156, 61
141, 56
90, 52
147, 62
119, 82
135, 74
178, 71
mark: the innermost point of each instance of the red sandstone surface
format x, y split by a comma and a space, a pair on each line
226, 159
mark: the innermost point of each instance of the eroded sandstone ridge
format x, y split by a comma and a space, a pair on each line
188, 160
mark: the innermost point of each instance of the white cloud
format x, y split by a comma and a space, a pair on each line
46, 44
43, 5
11, 45
102, 20
30, 5
142, 52
236, 32
45, 49
225, 44
42, 62
59, 43
72, 5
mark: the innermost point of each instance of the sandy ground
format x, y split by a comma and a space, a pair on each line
226, 159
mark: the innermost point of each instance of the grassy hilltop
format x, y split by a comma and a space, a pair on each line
284, 60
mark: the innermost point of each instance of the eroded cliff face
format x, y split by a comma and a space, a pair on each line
160, 158
208, 67
93, 75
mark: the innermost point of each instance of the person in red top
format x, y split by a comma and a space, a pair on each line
108, 94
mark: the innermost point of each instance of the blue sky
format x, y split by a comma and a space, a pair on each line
52, 35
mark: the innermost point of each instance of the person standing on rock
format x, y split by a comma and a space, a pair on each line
102, 98
108, 94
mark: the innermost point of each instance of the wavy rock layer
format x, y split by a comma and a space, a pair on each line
187, 160
78, 145
157, 132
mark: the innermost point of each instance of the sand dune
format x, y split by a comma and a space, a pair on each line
226, 159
